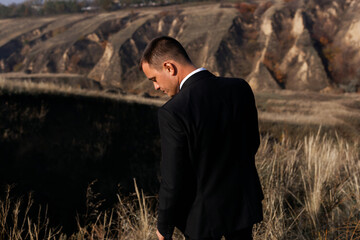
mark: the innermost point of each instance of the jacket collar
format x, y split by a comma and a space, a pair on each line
190, 74
196, 77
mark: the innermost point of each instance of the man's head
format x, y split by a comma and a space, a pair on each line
166, 63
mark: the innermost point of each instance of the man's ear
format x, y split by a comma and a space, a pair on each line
170, 68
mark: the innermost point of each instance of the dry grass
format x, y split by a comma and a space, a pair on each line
307, 107
283, 106
131, 218
300, 113
311, 187
16, 87
16, 223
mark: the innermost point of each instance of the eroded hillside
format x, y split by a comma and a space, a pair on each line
296, 45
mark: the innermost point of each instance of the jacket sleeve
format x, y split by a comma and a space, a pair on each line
172, 167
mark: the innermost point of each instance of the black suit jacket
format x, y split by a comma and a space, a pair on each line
209, 137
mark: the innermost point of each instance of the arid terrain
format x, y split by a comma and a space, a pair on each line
55, 141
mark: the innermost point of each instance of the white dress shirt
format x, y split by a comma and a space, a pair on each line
190, 74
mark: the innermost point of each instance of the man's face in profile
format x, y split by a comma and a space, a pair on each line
163, 79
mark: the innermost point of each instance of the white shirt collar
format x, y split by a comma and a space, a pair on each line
190, 74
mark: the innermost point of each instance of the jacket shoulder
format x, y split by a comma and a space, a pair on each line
208, 86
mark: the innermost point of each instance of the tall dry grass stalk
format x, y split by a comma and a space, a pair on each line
311, 188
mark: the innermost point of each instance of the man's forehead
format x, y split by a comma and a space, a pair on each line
147, 67
150, 73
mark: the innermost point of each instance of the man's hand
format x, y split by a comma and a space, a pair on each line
159, 235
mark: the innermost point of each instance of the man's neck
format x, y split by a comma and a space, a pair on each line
186, 70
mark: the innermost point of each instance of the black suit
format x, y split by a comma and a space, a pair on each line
209, 137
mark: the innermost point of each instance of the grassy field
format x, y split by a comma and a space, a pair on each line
311, 192
308, 162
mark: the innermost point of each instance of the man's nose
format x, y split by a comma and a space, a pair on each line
156, 86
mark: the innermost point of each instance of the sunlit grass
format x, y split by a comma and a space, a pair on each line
311, 189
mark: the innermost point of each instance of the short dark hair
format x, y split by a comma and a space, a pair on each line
163, 48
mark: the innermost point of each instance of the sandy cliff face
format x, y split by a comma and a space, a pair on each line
298, 45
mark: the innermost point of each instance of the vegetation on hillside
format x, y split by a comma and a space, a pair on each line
50, 7
39, 8
311, 191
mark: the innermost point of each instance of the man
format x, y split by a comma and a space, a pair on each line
209, 136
